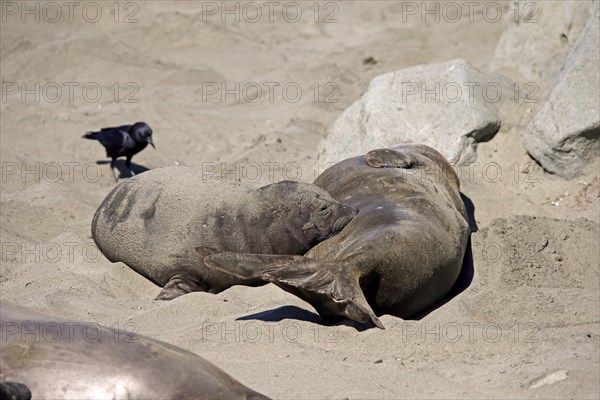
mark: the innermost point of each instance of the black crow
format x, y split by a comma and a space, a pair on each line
123, 141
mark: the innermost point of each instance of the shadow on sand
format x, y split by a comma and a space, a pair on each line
300, 314
124, 172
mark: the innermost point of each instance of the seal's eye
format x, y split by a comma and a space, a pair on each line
323, 208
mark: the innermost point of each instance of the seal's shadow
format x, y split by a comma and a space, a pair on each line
124, 172
462, 282
300, 314
470, 212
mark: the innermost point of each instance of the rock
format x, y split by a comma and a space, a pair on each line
449, 106
565, 132
538, 36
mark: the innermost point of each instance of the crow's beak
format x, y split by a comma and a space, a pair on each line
149, 140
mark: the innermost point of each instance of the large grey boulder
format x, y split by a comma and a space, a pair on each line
565, 132
449, 106
538, 35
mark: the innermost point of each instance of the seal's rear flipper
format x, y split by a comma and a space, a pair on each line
331, 288
14, 391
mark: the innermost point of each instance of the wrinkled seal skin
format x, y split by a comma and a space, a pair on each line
154, 221
400, 255
50, 358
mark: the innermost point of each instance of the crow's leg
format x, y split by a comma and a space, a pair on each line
128, 164
113, 168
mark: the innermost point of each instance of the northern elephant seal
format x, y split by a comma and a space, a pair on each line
154, 221
400, 255
51, 358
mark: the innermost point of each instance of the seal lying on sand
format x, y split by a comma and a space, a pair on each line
154, 221
50, 358
400, 255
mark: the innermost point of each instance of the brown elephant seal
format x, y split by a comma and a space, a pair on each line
154, 221
402, 252
51, 358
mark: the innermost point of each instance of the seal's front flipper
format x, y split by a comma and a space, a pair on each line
179, 285
14, 391
331, 288
388, 158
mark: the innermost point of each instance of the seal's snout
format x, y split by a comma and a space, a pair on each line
345, 215
350, 211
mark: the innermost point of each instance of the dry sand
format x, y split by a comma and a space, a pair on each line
526, 327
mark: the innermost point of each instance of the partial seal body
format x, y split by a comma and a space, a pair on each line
50, 358
155, 221
402, 252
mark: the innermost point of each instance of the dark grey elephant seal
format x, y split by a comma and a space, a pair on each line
50, 358
154, 221
400, 255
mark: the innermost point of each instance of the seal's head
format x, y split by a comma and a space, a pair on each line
321, 214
